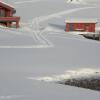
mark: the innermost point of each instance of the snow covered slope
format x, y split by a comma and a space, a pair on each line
47, 52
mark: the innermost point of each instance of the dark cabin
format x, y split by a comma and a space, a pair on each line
6, 16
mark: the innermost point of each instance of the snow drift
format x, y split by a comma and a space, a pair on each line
71, 74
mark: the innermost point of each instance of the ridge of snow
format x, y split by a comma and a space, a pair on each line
71, 74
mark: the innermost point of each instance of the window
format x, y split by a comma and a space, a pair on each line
2, 13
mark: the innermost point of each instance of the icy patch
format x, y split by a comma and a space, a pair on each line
85, 78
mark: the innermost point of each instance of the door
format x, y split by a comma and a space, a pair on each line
87, 27
71, 27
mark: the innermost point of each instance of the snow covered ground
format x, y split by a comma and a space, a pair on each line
41, 48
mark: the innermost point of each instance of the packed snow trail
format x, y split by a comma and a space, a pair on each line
59, 14
42, 42
38, 33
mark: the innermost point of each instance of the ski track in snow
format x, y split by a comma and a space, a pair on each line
41, 40
59, 14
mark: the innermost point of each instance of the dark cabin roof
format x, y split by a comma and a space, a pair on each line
7, 6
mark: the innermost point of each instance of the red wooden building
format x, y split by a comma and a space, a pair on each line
6, 15
84, 25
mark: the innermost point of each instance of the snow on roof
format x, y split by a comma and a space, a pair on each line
6, 4
81, 21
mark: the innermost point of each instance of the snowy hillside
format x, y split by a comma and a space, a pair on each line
41, 50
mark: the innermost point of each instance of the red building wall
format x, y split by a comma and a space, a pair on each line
84, 27
67, 27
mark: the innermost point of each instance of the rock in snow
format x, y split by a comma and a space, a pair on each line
76, 1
